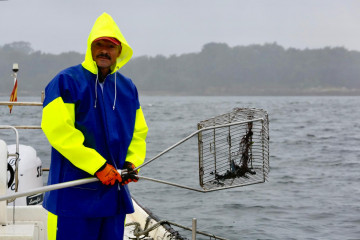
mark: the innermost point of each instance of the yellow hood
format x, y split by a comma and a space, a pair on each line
105, 26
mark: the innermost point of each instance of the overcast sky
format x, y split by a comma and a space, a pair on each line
168, 27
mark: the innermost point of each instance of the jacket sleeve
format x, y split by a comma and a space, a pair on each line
57, 123
137, 148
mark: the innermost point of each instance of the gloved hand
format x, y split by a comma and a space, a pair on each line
131, 175
108, 175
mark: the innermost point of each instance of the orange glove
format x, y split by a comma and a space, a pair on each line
131, 175
108, 175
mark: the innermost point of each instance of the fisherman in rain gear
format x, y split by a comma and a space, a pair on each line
93, 120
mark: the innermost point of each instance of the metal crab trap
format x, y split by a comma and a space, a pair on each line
234, 149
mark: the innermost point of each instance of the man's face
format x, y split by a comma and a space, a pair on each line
105, 53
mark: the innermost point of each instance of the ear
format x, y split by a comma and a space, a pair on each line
120, 49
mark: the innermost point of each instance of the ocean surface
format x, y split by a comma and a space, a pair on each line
313, 190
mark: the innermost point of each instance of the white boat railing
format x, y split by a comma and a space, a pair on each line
3, 182
21, 103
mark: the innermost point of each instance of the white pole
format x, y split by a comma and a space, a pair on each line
194, 226
15, 70
3, 181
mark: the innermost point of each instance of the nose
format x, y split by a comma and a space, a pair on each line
104, 49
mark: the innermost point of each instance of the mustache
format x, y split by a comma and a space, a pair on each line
104, 55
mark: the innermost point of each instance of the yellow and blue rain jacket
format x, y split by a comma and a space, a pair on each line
88, 126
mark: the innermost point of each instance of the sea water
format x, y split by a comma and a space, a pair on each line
313, 191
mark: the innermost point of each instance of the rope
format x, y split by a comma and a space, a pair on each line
175, 236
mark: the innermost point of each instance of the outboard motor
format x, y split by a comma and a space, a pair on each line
29, 175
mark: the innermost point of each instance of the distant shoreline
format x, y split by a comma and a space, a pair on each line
318, 92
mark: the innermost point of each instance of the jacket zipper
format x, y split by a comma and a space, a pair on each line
106, 124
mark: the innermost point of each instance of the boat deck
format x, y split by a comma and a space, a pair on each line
31, 222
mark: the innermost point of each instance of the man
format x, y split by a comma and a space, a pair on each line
94, 122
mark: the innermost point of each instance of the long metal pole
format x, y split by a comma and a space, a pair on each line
49, 188
171, 184
80, 182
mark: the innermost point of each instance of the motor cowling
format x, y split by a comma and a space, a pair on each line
29, 175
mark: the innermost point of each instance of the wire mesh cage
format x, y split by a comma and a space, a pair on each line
234, 149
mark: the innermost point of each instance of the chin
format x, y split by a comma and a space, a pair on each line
102, 64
